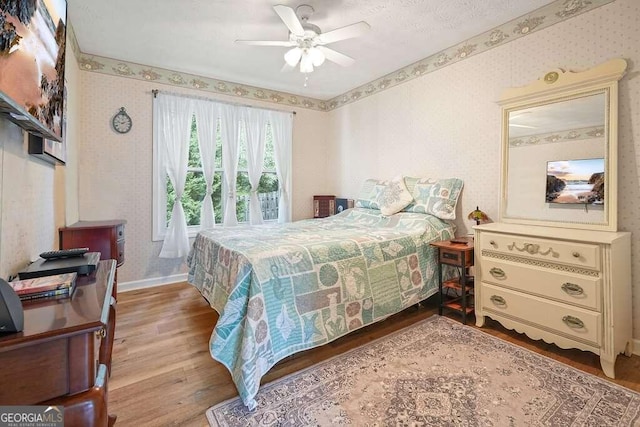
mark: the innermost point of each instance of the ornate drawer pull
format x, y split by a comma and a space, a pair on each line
576, 254
572, 288
498, 273
498, 300
573, 322
532, 249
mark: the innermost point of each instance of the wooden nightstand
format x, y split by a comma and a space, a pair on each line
459, 255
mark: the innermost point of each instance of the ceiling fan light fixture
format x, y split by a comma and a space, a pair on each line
307, 43
317, 57
293, 56
306, 65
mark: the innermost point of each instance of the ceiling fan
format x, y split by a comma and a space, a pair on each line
307, 42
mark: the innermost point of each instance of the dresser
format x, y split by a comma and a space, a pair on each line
565, 286
63, 354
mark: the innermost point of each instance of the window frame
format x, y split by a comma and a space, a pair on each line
159, 193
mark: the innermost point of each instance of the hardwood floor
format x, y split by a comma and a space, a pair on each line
162, 373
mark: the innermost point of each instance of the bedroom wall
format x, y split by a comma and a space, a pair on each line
447, 123
33, 193
116, 169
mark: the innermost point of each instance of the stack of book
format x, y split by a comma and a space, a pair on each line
56, 286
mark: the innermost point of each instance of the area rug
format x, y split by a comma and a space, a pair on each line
436, 372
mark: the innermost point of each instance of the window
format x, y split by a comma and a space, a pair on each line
268, 187
195, 187
268, 190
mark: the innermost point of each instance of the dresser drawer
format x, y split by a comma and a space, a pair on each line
572, 322
558, 251
579, 290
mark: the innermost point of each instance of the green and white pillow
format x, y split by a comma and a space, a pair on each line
368, 195
394, 197
411, 182
436, 197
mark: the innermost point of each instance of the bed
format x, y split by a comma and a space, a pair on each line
281, 289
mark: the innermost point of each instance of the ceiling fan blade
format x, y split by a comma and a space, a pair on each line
337, 57
286, 68
290, 19
350, 31
266, 42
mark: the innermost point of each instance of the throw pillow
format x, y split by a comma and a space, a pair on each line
437, 197
394, 197
368, 195
411, 182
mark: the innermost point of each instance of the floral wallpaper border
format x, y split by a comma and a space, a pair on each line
539, 19
566, 135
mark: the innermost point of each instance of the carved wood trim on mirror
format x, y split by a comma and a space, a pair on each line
559, 156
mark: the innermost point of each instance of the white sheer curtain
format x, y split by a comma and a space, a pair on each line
282, 131
173, 131
255, 122
207, 114
230, 130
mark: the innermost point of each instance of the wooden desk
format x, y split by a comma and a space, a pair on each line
60, 349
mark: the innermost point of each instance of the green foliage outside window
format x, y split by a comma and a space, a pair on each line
195, 186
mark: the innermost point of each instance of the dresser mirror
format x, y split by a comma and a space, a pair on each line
559, 158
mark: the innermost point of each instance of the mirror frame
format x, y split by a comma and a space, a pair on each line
559, 85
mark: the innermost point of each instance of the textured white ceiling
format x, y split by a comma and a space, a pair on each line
197, 36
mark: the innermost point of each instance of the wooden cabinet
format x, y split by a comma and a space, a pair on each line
106, 237
63, 354
324, 206
565, 286
455, 292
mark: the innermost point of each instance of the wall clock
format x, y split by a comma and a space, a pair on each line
121, 122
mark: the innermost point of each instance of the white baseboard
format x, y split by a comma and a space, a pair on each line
636, 347
152, 282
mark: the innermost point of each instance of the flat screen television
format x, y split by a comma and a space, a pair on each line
576, 181
32, 55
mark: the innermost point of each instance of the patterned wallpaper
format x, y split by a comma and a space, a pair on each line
441, 124
448, 123
27, 203
116, 170
544, 17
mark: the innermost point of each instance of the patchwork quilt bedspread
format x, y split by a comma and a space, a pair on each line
281, 289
